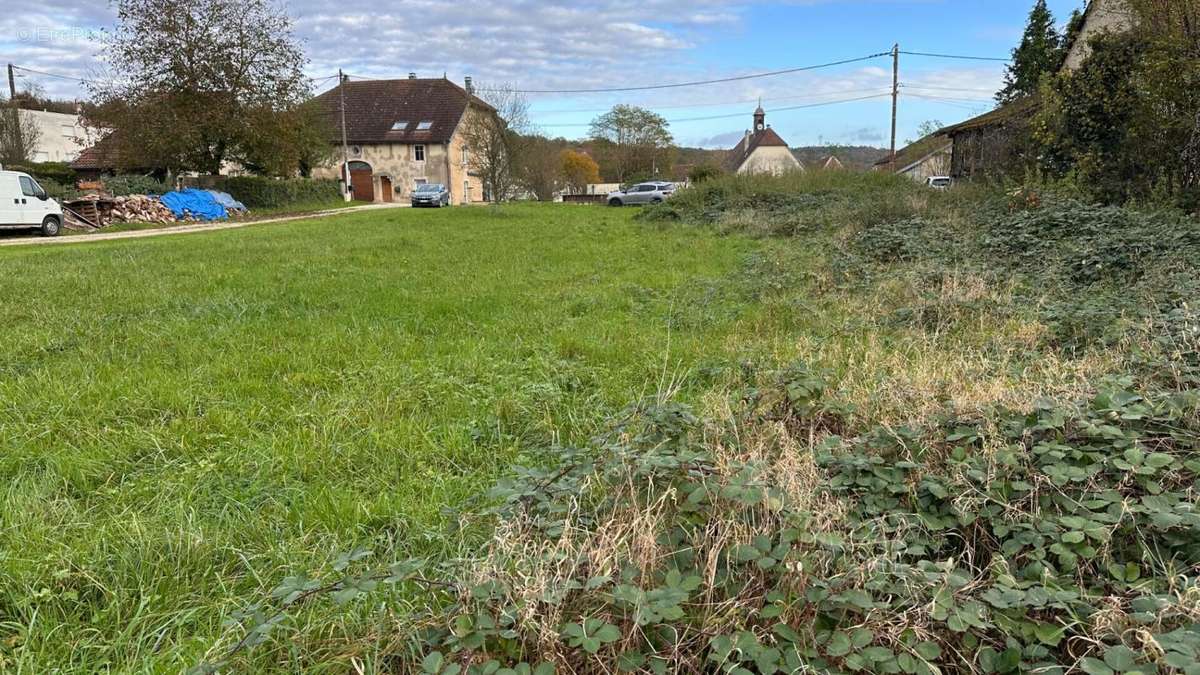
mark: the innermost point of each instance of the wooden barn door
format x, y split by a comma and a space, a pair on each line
361, 183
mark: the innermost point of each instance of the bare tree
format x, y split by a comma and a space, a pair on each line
197, 82
19, 136
493, 132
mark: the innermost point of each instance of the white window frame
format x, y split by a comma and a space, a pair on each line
419, 153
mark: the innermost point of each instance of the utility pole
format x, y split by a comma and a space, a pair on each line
345, 147
18, 142
895, 97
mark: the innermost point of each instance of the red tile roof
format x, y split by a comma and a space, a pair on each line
763, 139
373, 107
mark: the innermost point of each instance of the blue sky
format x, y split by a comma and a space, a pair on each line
529, 44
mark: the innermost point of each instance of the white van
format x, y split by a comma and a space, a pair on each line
25, 204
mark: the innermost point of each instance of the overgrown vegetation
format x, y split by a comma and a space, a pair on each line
793, 523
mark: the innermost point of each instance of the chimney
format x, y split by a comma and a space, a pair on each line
470, 85
412, 76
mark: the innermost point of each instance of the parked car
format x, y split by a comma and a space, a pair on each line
939, 182
642, 193
25, 204
431, 194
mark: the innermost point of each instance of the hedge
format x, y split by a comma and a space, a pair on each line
257, 192
59, 172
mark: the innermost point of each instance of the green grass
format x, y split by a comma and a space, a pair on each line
185, 420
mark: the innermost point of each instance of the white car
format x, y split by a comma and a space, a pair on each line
643, 193
25, 204
939, 182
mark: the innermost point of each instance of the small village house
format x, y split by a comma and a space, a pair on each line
923, 159
403, 133
60, 136
762, 150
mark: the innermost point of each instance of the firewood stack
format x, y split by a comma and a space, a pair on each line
95, 211
140, 209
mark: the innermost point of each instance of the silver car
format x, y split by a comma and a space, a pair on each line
654, 192
431, 194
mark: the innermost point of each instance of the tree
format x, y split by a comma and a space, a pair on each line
1040, 53
579, 170
633, 140
541, 172
199, 82
926, 129
19, 135
1126, 124
493, 135
704, 172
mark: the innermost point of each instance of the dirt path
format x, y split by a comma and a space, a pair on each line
183, 229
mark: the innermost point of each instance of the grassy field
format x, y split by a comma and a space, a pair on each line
184, 419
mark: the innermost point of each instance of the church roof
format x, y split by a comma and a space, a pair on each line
762, 139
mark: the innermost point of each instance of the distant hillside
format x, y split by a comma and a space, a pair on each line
853, 157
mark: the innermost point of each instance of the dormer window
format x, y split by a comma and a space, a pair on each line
425, 126
400, 126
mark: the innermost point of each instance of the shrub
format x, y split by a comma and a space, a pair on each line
795, 202
135, 184
258, 192
59, 172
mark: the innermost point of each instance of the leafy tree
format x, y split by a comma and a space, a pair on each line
199, 82
1039, 54
1126, 124
493, 136
633, 141
579, 170
541, 172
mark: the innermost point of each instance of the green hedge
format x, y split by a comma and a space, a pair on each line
59, 172
257, 192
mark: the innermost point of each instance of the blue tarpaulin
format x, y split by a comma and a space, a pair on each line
194, 203
225, 199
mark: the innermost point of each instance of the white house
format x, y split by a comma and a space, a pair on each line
762, 151
61, 137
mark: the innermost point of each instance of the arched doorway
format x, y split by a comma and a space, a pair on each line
362, 186
385, 188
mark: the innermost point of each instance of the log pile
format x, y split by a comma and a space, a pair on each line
140, 209
94, 211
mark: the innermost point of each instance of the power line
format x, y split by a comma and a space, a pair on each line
930, 86
957, 56
801, 97
734, 115
696, 83
59, 76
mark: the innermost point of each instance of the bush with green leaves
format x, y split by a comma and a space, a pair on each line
1063, 538
792, 203
257, 192
135, 184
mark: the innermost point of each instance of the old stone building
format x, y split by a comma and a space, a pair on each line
402, 133
762, 151
1101, 16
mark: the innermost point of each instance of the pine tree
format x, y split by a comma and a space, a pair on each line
1040, 53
